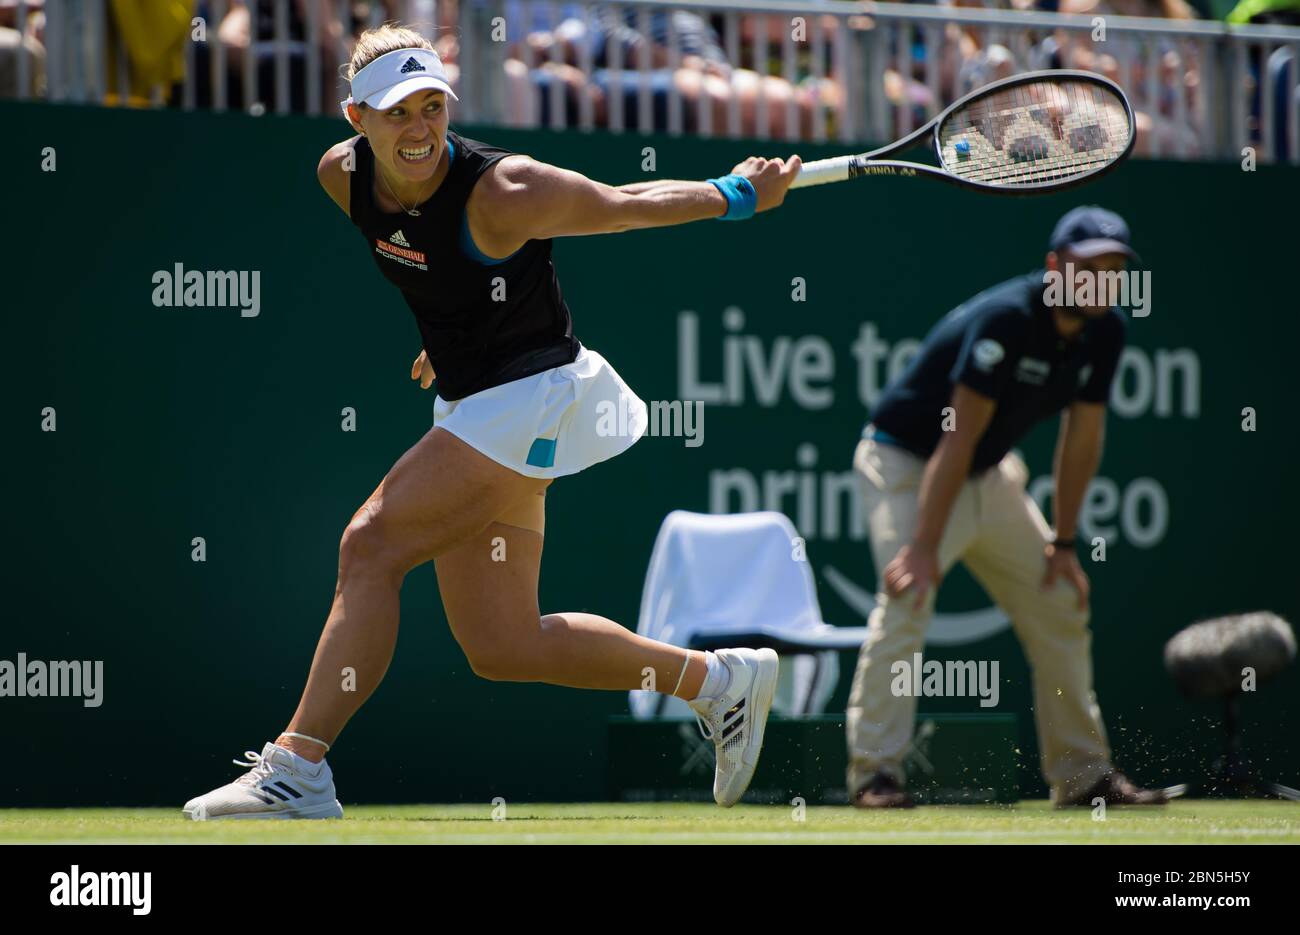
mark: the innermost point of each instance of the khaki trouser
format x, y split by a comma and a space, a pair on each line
999, 533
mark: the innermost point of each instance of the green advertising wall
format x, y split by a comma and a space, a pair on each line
176, 423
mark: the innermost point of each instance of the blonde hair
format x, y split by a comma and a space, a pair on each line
380, 41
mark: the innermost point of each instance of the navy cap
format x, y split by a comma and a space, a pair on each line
1090, 231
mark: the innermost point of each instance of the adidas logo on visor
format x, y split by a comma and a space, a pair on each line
412, 65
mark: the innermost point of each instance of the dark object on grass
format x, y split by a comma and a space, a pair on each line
1216, 659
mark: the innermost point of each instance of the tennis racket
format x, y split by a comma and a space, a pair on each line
1037, 132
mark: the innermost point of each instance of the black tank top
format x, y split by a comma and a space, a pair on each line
474, 341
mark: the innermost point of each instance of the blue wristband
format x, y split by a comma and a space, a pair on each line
740, 195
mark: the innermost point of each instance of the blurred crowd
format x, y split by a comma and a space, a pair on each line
583, 49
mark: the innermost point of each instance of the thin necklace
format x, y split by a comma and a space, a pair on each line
413, 212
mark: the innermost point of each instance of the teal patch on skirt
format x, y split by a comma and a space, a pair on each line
542, 453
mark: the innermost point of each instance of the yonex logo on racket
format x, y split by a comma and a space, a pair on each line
883, 170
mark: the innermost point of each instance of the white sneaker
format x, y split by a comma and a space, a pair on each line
735, 720
279, 784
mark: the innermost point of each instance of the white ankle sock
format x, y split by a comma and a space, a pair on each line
716, 677
301, 763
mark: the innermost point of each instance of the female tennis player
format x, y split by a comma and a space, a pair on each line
464, 230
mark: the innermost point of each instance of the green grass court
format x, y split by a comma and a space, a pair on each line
1183, 822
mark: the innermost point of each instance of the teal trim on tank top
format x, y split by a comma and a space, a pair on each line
466, 238
880, 437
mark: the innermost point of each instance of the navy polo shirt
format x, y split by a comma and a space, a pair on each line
1002, 344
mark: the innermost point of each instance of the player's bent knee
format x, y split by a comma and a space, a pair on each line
497, 665
490, 670
498, 661
367, 549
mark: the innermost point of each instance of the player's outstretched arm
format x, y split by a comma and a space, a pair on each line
529, 200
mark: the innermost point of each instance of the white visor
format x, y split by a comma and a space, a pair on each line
394, 75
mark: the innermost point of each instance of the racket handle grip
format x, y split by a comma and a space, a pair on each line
821, 171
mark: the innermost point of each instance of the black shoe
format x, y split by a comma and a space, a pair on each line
1115, 789
882, 791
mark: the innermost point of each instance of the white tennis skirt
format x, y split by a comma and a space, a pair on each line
553, 423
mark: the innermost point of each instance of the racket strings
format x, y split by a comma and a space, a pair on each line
1037, 133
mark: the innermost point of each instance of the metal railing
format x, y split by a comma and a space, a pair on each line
814, 69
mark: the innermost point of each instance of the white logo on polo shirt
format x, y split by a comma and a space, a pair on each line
399, 240
1033, 371
987, 354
